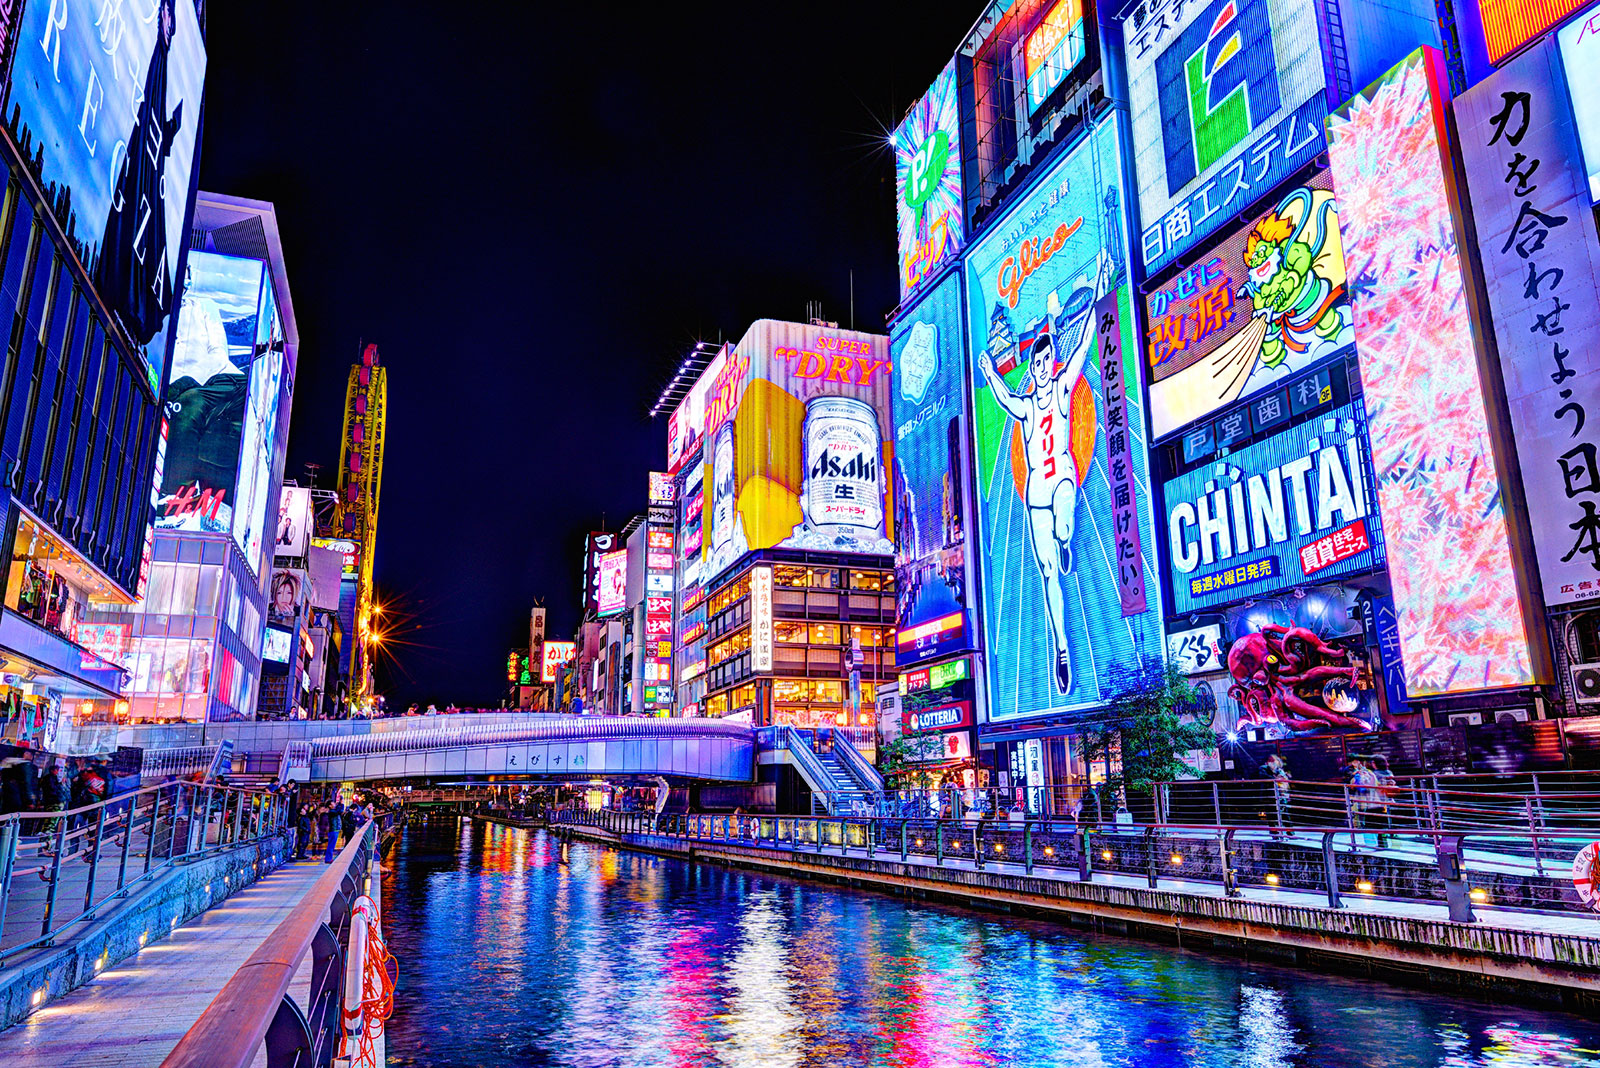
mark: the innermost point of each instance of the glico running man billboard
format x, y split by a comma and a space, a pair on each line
1266, 303
796, 436
214, 381
104, 100
1062, 489
927, 178
1297, 507
928, 346
1227, 101
1461, 621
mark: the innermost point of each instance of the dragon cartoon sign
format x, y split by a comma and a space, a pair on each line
1267, 303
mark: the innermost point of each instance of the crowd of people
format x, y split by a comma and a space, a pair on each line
327, 823
49, 783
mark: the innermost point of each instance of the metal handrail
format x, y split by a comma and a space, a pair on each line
254, 1007
180, 760
140, 834
801, 752
1181, 852
865, 775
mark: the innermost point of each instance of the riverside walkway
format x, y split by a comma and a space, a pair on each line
132, 1014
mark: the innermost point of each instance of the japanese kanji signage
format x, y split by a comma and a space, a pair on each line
1536, 238
1227, 101
1299, 505
1119, 455
1266, 303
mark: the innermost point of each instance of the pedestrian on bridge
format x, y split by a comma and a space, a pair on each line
304, 819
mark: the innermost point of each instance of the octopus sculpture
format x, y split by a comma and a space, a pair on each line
1273, 667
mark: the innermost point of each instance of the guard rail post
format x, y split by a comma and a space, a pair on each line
55, 875
9, 832
1449, 849
94, 860
1330, 871
938, 845
1216, 802
1230, 875
977, 845
1027, 846
905, 840
1152, 868
1085, 867
1533, 835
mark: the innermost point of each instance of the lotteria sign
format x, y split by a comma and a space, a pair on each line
1297, 507
939, 718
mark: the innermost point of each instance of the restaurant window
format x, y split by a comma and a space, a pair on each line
789, 632
875, 581
724, 651
717, 705
871, 637
734, 591
824, 634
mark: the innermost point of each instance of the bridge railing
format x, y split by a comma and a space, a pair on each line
183, 760
60, 867
1458, 867
255, 1009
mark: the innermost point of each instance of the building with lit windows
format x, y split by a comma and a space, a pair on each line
803, 640
86, 307
195, 641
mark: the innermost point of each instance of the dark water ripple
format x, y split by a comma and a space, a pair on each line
512, 955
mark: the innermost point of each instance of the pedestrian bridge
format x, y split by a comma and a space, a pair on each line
570, 747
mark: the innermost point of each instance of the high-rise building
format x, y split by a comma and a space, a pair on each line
88, 272
198, 637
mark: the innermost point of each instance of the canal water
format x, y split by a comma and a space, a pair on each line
514, 953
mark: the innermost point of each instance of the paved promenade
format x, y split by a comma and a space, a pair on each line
133, 1014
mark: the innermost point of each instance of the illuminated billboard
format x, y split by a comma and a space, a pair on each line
1266, 303
1541, 265
1052, 49
1580, 57
294, 521
796, 436
613, 593
1227, 101
555, 654
104, 102
276, 644
598, 545
1510, 24
209, 390
686, 425
259, 447
349, 553
927, 176
1298, 506
928, 351
1439, 495
285, 594
1058, 437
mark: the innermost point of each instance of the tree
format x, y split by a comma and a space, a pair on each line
903, 761
1149, 724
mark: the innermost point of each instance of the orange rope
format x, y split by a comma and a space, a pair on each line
377, 1000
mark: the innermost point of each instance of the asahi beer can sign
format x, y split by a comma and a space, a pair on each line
722, 489
843, 494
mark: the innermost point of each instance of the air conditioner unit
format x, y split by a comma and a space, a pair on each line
1511, 715
1586, 683
1466, 719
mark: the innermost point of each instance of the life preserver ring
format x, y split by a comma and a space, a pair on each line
1586, 874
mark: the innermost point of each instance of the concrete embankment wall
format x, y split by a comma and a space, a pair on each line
1469, 958
152, 910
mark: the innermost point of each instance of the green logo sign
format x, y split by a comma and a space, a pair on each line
927, 169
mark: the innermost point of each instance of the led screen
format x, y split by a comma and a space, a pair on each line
1461, 623
294, 521
1267, 302
1541, 265
1227, 101
275, 645
259, 446
796, 435
1580, 56
104, 100
613, 596
927, 173
1510, 24
208, 391
1057, 455
927, 350
1296, 507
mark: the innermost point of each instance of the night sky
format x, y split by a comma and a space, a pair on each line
534, 212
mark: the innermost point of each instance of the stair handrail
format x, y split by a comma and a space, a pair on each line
811, 768
859, 769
